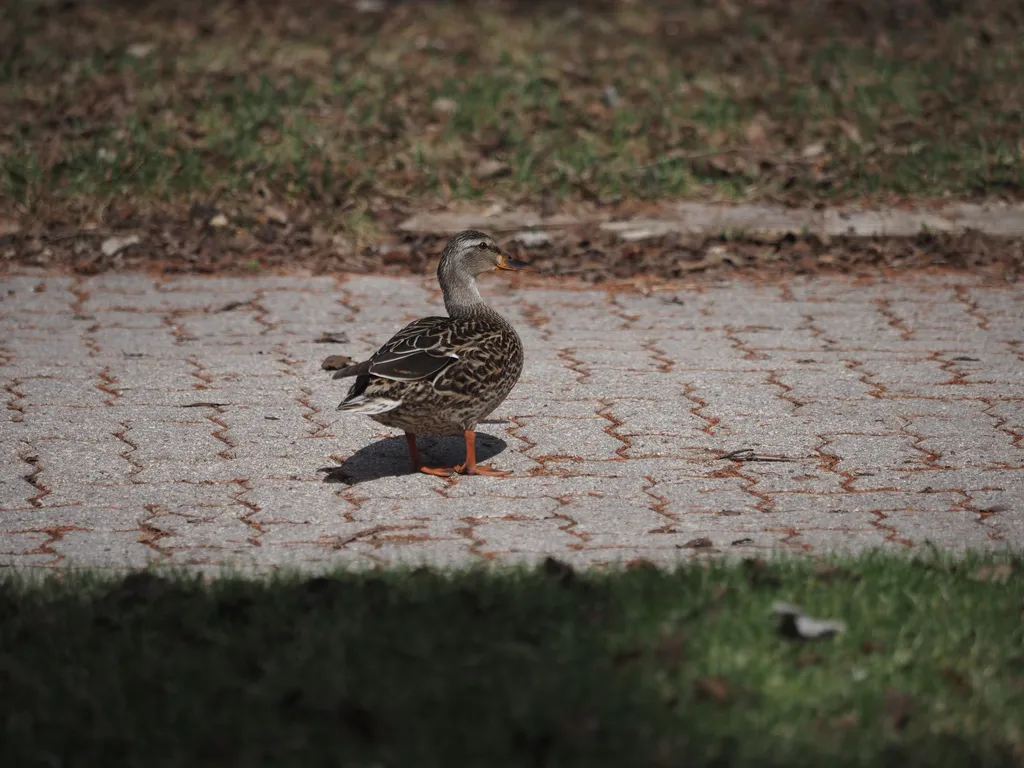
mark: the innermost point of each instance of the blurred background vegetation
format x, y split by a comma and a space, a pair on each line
353, 103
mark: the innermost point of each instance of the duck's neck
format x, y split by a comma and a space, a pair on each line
461, 296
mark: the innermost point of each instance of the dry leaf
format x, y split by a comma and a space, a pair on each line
714, 688
113, 245
808, 659
898, 709
299, 56
756, 131
610, 97
796, 625
811, 151
532, 239
275, 214
701, 543
233, 305
640, 564
336, 362
140, 50
830, 573
671, 649
490, 168
445, 107
627, 657
999, 574
759, 573
960, 684
848, 720
852, 131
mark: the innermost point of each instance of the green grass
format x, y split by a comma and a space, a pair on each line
639, 668
323, 106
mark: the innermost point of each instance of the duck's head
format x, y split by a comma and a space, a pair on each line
471, 253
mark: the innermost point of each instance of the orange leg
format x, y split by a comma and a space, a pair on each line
471, 467
417, 462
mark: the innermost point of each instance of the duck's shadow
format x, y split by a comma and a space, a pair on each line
390, 457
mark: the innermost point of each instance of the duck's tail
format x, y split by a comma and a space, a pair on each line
368, 405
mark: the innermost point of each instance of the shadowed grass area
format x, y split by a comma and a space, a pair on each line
324, 104
543, 667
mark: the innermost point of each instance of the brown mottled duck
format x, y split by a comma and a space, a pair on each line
442, 375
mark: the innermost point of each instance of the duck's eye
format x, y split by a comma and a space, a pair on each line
482, 246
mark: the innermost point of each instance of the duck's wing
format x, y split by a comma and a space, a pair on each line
420, 350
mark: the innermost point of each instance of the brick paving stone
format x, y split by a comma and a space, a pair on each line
187, 423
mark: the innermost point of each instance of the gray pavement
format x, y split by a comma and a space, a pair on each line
752, 219
187, 422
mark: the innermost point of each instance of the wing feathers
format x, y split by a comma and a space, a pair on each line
419, 351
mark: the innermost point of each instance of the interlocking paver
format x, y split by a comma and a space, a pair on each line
699, 420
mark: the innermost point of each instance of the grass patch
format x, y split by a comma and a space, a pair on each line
322, 104
542, 667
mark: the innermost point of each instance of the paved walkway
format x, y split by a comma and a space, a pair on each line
752, 219
188, 422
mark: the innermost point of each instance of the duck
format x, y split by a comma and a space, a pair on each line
443, 375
